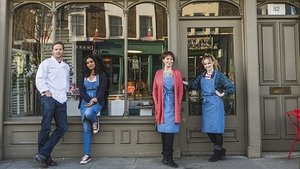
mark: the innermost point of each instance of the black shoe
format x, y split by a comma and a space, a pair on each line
164, 161
216, 156
50, 162
223, 154
42, 162
171, 163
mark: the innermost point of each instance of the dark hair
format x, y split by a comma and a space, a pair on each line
212, 58
99, 67
167, 53
58, 43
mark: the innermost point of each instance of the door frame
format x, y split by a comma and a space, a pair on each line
235, 134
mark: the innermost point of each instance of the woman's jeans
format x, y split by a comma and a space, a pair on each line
51, 109
89, 117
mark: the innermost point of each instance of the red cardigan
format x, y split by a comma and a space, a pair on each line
158, 97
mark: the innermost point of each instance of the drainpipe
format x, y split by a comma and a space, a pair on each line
3, 51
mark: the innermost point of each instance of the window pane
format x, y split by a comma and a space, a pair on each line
32, 26
216, 41
210, 9
147, 32
88, 29
77, 22
115, 24
145, 26
277, 9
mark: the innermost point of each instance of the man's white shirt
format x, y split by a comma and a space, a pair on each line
55, 77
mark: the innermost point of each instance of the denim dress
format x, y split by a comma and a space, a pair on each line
89, 114
169, 125
91, 89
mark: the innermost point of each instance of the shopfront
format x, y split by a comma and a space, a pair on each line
128, 37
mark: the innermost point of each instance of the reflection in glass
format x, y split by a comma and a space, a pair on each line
147, 31
277, 9
88, 29
210, 9
216, 41
32, 27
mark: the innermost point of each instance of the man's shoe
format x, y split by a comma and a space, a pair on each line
50, 162
42, 162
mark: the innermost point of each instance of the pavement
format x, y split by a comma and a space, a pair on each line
268, 161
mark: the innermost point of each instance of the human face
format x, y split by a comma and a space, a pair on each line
208, 64
90, 64
58, 51
168, 61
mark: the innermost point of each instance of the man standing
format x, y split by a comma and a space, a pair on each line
52, 81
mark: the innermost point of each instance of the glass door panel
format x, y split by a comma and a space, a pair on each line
217, 41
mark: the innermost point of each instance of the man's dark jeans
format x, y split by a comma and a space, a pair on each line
51, 109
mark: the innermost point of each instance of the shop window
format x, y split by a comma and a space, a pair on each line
148, 41
32, 27
88, 29
209, 9
275, 9
115, 26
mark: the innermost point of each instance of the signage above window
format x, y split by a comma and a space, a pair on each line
276, 9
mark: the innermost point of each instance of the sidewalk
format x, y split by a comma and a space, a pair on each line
269, 161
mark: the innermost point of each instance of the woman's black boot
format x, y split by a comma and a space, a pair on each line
223, 153
216, 156
170, 161
164, 160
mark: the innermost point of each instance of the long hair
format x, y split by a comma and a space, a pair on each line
212, 58
98, 67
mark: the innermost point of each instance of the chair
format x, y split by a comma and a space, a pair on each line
294, 117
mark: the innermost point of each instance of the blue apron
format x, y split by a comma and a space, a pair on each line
169, 125
212, 108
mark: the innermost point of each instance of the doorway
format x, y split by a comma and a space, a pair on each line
223, 39
279, 77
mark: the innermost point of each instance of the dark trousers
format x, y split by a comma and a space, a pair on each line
217, 139
51, 109
167, 144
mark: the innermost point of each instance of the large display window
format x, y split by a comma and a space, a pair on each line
89, 29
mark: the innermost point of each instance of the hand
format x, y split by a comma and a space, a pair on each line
185, 82
89, 104
95, 100
220, 94
47, 93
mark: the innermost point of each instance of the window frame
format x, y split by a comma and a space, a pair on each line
118, 27
73, 36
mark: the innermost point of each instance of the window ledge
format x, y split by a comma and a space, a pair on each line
77, 120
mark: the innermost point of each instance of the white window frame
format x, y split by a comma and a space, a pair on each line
71, 34
119, 26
